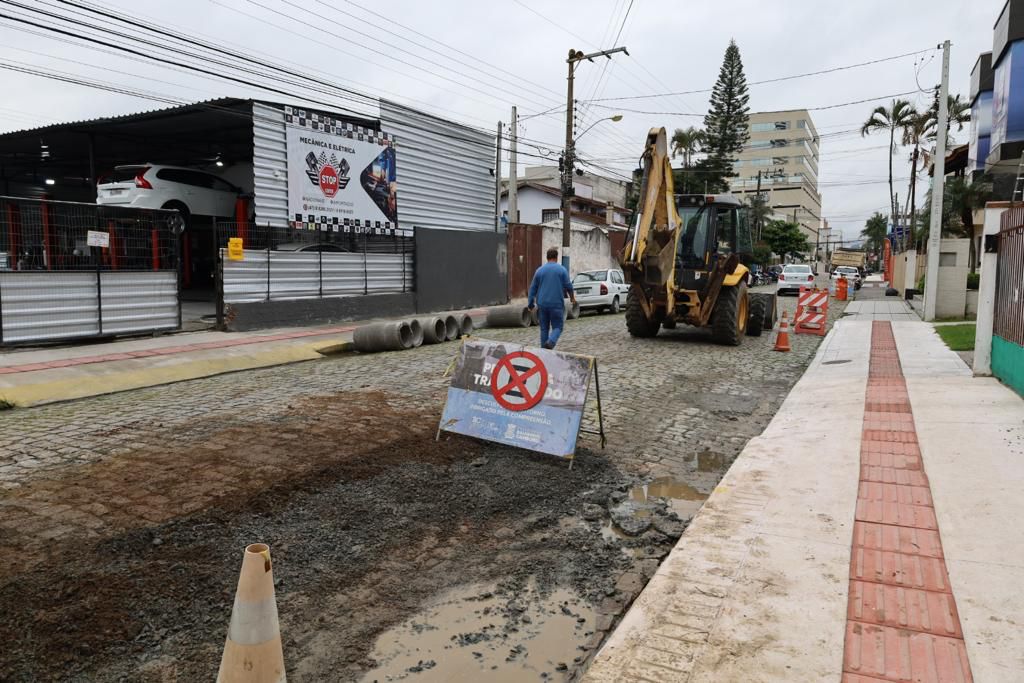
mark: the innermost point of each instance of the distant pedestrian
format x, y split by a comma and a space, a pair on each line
550, 284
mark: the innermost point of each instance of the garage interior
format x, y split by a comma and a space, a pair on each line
62, 162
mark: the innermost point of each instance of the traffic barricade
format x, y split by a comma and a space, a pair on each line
811, 311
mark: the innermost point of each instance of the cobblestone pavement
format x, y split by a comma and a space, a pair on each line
665, 399
676, 405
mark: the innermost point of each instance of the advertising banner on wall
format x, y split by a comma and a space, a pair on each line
341, 177
520, 396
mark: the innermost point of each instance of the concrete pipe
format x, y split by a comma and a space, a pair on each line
465, 324
434, 330
508, 316
391, 336
417, 332
451, 328
572, 310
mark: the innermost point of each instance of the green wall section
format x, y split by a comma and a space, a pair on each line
1008, 363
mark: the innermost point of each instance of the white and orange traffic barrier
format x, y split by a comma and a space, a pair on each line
782, 340
811, 312
253, 652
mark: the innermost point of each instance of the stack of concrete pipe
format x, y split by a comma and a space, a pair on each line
408, 334
509, 316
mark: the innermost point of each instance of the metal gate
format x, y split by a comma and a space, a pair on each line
1008, 320
55, 285
524, 256
295, 263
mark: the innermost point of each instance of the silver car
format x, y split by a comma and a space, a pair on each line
604, 290
793, 277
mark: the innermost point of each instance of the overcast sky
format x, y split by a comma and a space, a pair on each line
673, 47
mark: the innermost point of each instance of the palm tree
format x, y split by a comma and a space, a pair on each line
916, 131
891, 119
874, 234
964, 197
959, 114
687, 142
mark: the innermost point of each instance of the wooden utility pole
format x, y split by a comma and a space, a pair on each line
513, 172
569, 154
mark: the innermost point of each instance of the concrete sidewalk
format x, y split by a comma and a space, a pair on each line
47, 374
818, 557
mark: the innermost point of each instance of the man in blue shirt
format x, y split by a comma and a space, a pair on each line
547, 291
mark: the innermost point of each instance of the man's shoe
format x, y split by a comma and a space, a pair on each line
548, 345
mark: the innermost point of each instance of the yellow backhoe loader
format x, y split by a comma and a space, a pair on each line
682, 259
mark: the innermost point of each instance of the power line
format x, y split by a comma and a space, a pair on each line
830, 106
774, 80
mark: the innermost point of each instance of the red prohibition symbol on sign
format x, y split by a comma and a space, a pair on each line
519, 381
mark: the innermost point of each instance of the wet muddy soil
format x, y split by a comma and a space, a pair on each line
476, 545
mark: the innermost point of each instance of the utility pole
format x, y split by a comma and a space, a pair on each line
757, 196
931, 281
513, 172
497, 182
569, 154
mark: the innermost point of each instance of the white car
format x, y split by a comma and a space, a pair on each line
149, 186
850, 273
793, 277
601, 289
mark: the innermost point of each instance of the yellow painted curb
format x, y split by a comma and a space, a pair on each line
82, 386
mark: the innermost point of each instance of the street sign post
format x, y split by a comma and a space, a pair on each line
525, 397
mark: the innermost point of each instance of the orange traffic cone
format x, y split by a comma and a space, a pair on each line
782, 340
252, 652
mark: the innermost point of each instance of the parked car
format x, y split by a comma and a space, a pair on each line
849, 272
601, 289
793, 277
150, 186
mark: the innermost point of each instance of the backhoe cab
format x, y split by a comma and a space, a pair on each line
682, 258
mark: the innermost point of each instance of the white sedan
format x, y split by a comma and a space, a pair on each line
604, 290
793, 277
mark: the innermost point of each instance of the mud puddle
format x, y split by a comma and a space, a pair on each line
479, 632
683, 499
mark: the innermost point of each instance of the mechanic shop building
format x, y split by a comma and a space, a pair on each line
123, 223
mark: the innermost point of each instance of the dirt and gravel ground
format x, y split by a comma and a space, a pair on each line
124, 517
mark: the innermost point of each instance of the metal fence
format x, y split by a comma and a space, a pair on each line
55, 286
326, 261
1008, 322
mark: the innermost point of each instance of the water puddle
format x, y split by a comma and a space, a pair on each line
683, 499
709, 461
475, 634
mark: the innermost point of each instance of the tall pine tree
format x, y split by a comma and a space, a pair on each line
726, 123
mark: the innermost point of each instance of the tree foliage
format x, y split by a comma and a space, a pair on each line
687, 142
874, 232
897, 117
726, 125
785, 238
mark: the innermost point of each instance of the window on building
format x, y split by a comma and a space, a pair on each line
780, 161
802, 123
761, 162
549, 215
782, 125
780, 143
759, 144
761, 127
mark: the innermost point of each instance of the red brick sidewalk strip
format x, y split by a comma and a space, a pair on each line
902, 623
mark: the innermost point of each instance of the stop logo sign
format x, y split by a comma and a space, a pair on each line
328, 181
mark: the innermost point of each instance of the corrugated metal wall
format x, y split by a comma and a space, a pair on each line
444, 171
296, 275
63, 305
269, 165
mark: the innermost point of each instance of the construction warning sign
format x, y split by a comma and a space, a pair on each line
525, 397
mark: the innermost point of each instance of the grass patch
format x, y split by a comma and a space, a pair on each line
957, 337
7, 405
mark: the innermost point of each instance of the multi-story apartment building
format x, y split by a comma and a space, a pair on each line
783, 150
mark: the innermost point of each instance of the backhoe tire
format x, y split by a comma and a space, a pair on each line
636, 322
729, 319
758, 313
